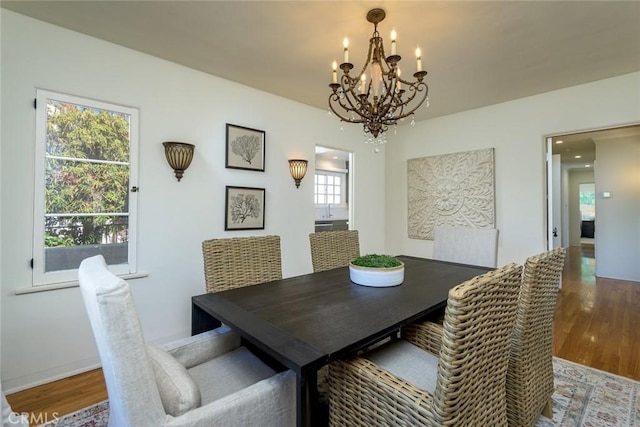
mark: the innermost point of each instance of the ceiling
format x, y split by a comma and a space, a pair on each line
477, 53
330, 154
583, 144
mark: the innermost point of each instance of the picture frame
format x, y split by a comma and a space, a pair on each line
245, 148
244, 208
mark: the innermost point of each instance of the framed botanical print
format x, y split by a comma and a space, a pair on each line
245, 148
244, 208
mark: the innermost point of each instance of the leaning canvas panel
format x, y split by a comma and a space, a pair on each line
451, 189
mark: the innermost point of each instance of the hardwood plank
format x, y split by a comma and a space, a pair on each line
595, 324
60, 397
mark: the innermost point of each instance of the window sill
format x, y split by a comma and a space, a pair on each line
73, 284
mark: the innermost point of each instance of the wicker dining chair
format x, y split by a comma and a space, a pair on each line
333, 249
463, 384
530, 373
329, 250
241, 261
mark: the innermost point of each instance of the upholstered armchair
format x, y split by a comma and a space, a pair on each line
204, 380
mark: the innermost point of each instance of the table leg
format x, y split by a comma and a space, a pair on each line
201, 321
314, 410
302, 415
308, 410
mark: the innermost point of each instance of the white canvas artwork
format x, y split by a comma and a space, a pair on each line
451, 189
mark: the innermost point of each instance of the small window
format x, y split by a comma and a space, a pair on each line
86, 154
329, 188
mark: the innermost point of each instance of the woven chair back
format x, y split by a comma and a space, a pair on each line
241, 261
333, 249
474, 355
530, 373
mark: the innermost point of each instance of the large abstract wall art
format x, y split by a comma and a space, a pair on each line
451, 189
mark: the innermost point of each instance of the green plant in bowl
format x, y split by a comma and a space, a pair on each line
376, 261
376, 270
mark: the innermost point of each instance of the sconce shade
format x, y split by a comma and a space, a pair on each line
297, 168
179, 156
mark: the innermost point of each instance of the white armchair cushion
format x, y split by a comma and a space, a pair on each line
197, 349
178, 391
229, 373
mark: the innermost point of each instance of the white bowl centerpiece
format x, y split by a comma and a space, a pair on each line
376, 270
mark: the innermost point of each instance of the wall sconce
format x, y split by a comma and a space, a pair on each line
297, 168
179, 156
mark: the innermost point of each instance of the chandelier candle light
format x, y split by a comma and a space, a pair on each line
384, 98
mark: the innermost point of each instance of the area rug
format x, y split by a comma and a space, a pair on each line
592, 398
583, 397
92, 416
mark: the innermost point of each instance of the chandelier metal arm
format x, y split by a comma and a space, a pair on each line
415, 89
335, 98
350, 96
390, 101
349, 90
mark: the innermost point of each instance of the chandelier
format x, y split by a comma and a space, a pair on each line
383, 98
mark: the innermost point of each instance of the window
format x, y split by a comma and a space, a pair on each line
329, 188
86, 158
587, 201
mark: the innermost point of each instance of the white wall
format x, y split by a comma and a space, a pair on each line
46, 335
617, 217
577, 177
516, 130
565, 207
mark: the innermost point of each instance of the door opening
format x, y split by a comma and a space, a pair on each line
333, 190
587, 187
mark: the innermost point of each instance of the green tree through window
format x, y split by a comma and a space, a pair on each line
587, 198
85, 166
87, 172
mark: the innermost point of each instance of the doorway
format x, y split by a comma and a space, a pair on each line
332, 189
581, 187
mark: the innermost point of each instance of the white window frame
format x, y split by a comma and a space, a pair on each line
343, 187
67, 277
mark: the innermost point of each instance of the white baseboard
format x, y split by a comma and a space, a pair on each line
35, 379
44, 377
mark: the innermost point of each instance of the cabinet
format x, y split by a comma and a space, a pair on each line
339, 224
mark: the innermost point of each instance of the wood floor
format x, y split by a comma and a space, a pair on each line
597, 323
52, 400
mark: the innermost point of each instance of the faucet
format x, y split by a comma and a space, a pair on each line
329, 215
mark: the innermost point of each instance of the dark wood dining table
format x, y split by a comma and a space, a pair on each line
305, 322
